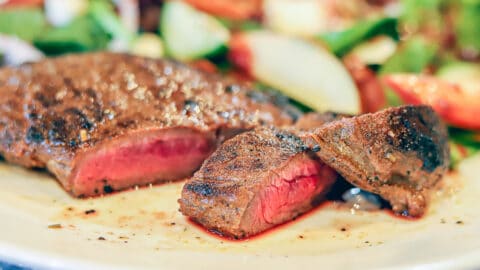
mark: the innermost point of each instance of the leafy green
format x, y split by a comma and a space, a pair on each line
465, 137
418, 13
463, 143
413, 56
236, 25
82, 34
467, 25
25, 23
342, 42
104, 15
459, 152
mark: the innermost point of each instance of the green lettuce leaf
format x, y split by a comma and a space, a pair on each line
25, 23
82, 34
342, 42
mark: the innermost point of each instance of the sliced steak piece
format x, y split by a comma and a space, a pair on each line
399, 153
255, 181
102, 122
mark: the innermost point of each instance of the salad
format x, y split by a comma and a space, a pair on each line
324, 55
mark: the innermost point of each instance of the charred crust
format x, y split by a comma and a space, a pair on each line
34, 135
44, 100
292, 140
257, 96
414, 134
91, 93
57, 132
232, 88
203, 189
190, 106
80, 119
73, 143
108, 189
32, 115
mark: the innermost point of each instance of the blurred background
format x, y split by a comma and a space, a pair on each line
319, 54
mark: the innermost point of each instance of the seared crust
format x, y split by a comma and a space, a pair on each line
219, 194
53, 111
314, 120
399, 153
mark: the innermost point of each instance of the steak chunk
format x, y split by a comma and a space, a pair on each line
399, 153
255, 181
102, 122
268, 176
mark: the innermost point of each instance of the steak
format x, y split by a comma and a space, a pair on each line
255, 181
399, 153
269, 176
103, 121
259, 179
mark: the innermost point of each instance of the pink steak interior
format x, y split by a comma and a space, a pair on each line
142, 158
290, 193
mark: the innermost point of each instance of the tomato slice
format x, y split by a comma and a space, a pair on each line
370, 89
232, 9
457, 106
21, 3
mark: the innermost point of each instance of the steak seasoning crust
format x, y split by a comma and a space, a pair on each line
268, 176
399, 153
259, 179
255, 181
102, 122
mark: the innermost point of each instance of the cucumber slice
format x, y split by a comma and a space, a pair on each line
190, 34
467, 75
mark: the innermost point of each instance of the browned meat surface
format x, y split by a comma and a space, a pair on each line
399, 153
255, 181
268, 176
102, 122
314, 120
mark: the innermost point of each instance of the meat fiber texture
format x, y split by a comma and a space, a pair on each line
259, 179
399, 153
255, 181
268, 176
102, 122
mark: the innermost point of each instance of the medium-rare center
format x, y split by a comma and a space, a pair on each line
102, 122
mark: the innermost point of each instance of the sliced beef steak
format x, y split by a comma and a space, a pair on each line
102, 122
268, 176
255, 181
399, 153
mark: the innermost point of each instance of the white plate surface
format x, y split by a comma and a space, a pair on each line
142, 229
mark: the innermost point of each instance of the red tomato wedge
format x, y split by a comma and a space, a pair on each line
370, 89
22, 3
456, 105
232, 9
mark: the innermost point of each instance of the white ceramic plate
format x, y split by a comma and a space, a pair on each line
42, 226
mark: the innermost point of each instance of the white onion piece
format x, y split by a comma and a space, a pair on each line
129, 14
376, 50
295, 17
16, 51
62, 12
360, 200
